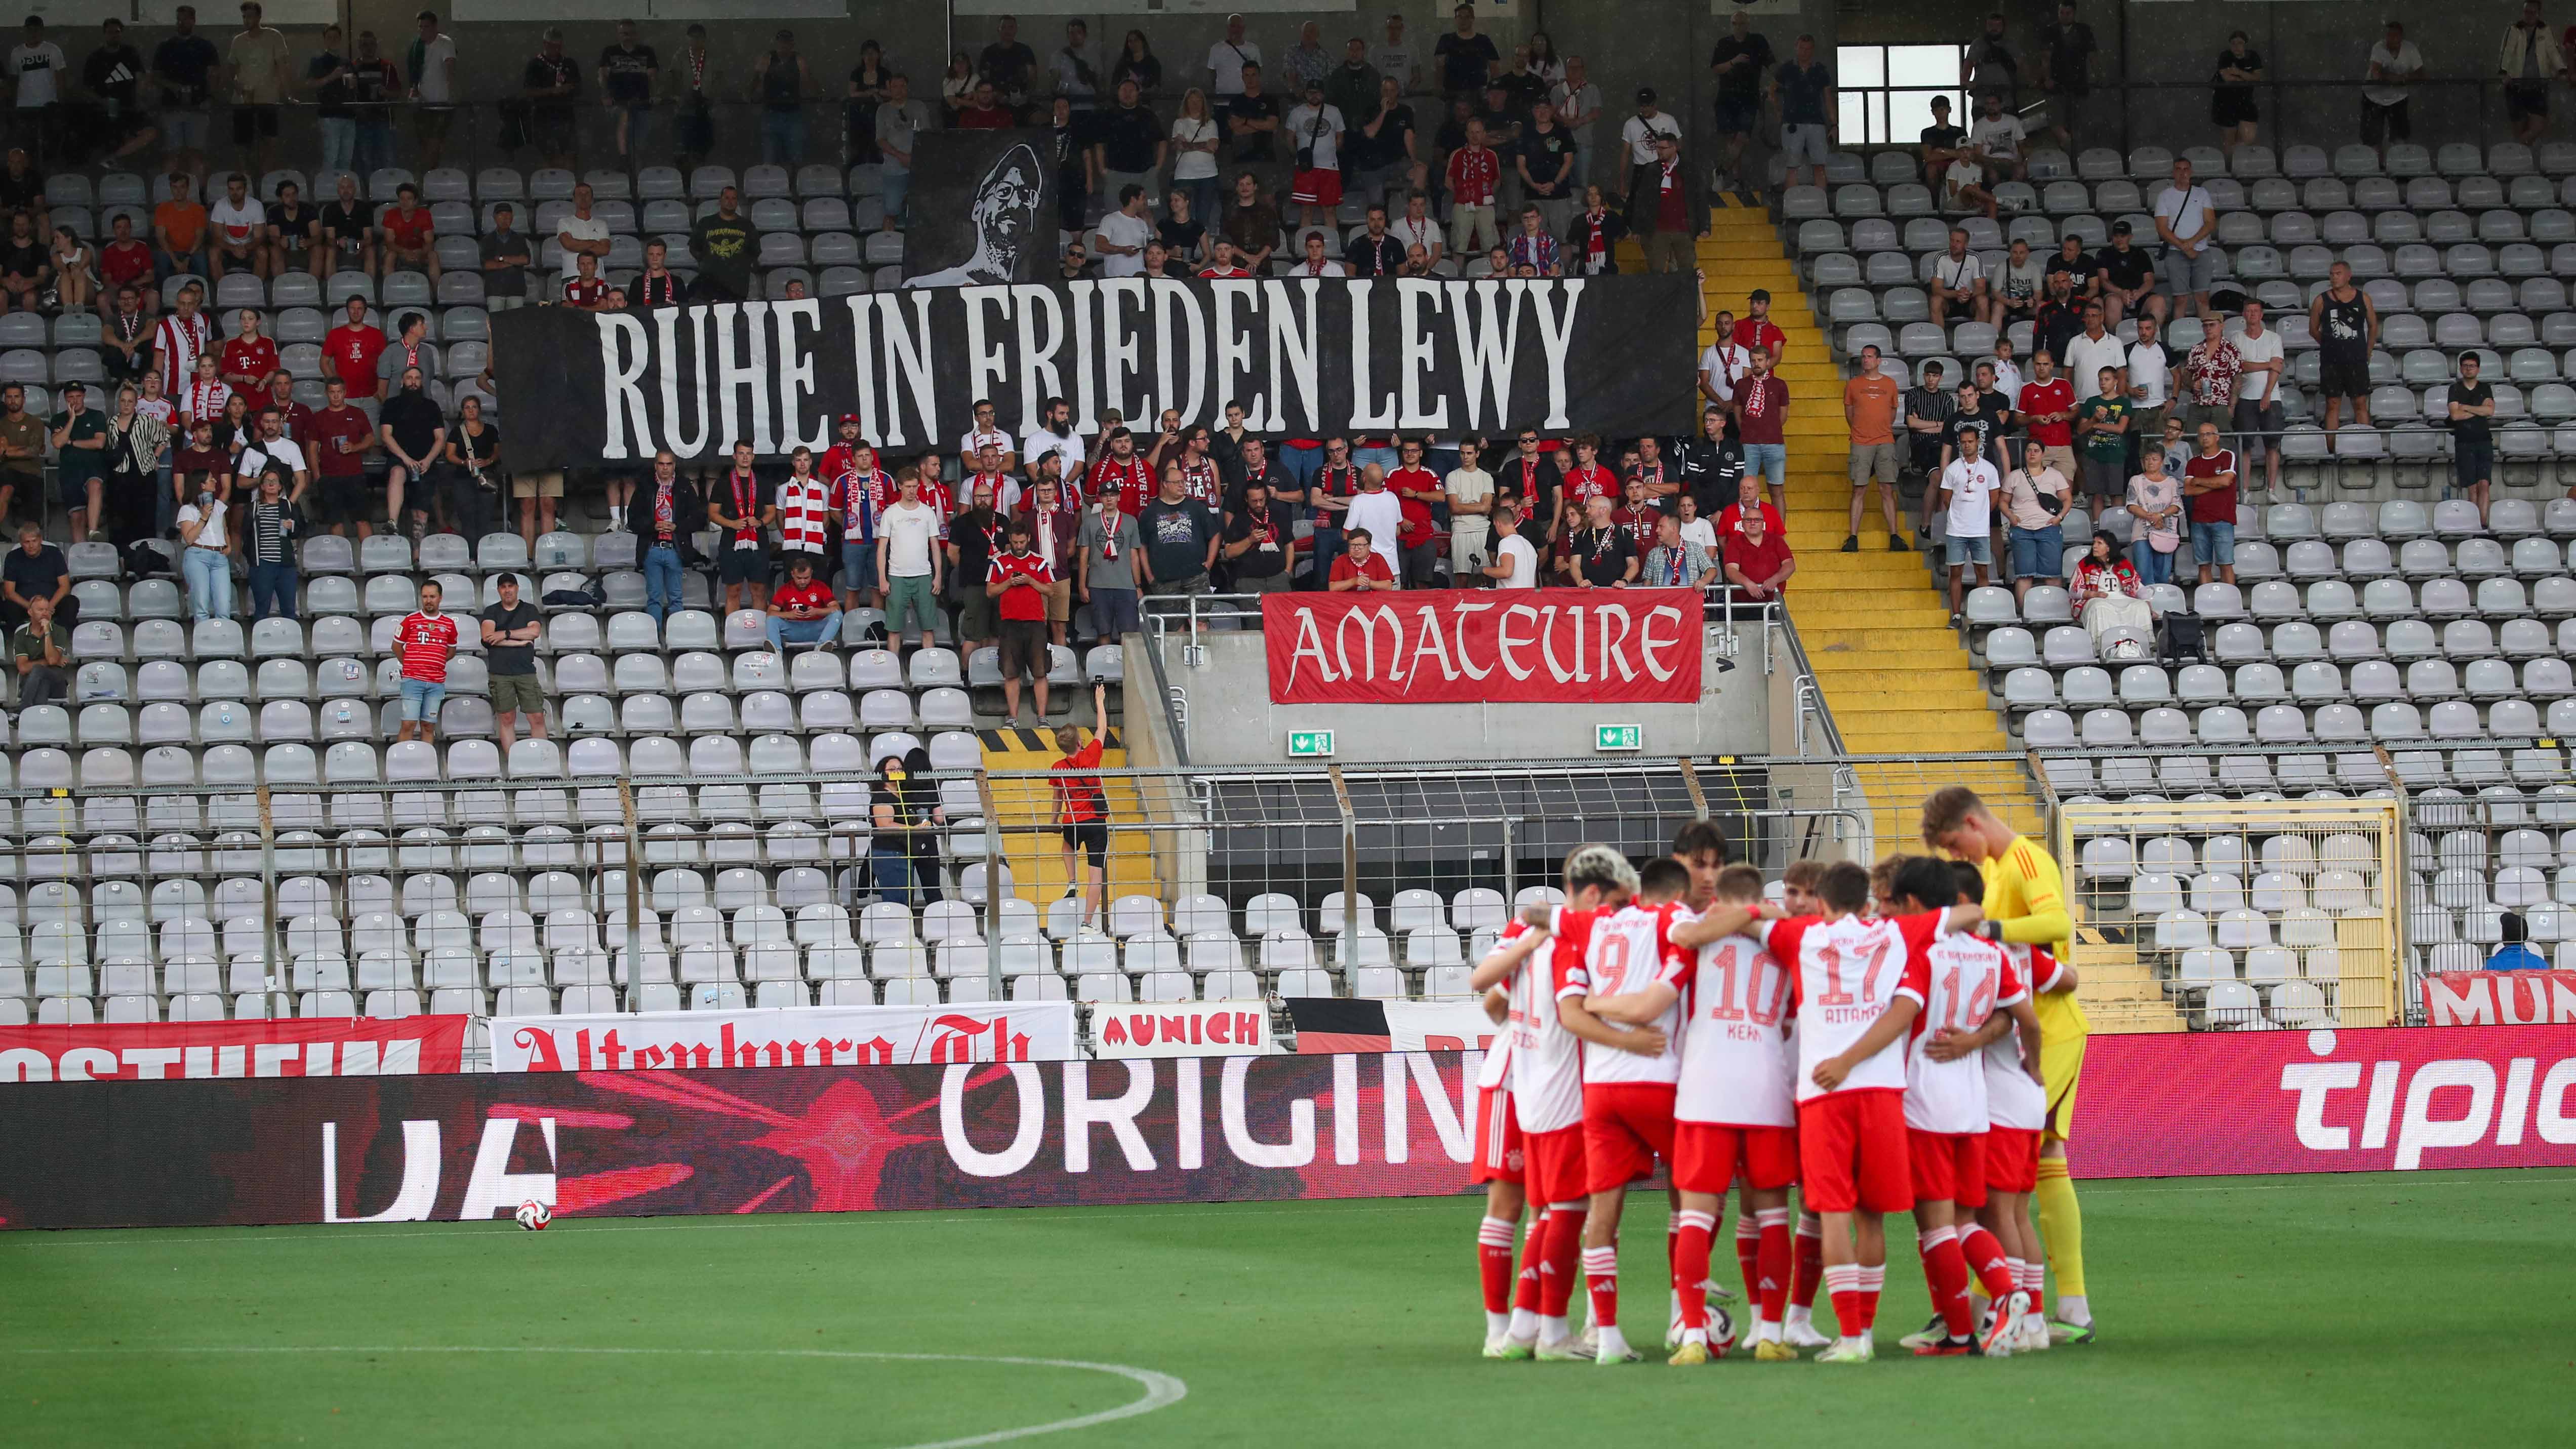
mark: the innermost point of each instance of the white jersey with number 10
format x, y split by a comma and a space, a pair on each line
1969, 977
1632, 949
2012, 1099
1737, 1058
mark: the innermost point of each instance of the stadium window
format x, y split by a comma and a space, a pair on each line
1885, 91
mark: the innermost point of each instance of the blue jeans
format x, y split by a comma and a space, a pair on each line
783, 632
782, 138
2152, 567
272, 584
2214, 544
661, 582
1767, 460
890, 872
858, 567
1114, 613
1205, 197
176, 264
421, 699
1300, 464
2037, 553
375, 146
1327, 545
339, 142
1386, 459
897, 184
210, 583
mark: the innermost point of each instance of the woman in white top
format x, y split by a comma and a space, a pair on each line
206, 558
955, 87
1471, 505
1544, 62
1696, 529
1194, 142
75, 268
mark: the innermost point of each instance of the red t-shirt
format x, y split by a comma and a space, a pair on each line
2056, 395
1730, 521
1416, 530
426, 644
1585, 484
1672, 203
1023, 604
815, 595
124, 262
1753, 332
2218, 505
294, 419
1077, 795
251, 357
407, 232
1415, 480
986, 118
1346, 567
1764, 402
1758, 561
352, 352
585, 293
326, 430
1639, 524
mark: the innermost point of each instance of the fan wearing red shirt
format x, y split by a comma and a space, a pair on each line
352, 348
1120, 467
426, 639
1585, 481
1409, 479
1081, 817
127, 262
250, 360
1363, 569
1756, 329
410, 241
1637, 515
1019, 581
294, 418
339, 467
2047, 406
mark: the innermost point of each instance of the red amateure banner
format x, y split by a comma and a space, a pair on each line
355, 1047
1474, 646
858, 1138
2500, 998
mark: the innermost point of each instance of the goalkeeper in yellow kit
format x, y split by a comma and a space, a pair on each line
2025, 904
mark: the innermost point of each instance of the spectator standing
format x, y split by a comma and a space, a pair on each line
866, 92
2066, 51
1252, 117
1307, 62
36, 68
2047, 407
1739, 64
2231, 93
1762, 414
1943, 145
724, 243
2102, 436
974, 536
1987, 65
2091, 352
1470, 493
425, 640
34, 575
900, 122
1193, 148
1373, 253
1466, 60
1385, 146
257, 60
1105, 565
80, 459
1229, 58
430, 70
415, 432
670, 518
2210, 484
2345, 324
1637, 134
2261, 361
783, 80
2036, 499
551, 86
1123, 234
340, 437
2057, 321
1315, 129
1578, 108
909, 559
2185, 220
1674, 562
205, 555
2394, 67
510, 629
1256, 540
2126, 277
374, 86
1474, 175
1665, 211
1804, 91
184, 67
1352, 86
1966, 497
114, 73
1870, 400
506, 257
1958, 284
1137, 62
628, 72
2471, 411
1180, 540
41, 648
2154, 498
1544, 162
2530, 60
1128, 146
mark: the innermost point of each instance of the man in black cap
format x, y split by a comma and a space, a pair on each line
1639, 134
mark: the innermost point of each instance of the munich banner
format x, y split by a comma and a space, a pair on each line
2507, 998
1470, 646
1122, 1029
805, 1036
148, 1051
1191, 1129
1306, 357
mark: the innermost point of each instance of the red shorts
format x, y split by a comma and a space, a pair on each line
2012, 1160
1851, 1153
1706, 1156
1498, 1137
1552, 1166
1626, 1126
1316, 188
1948, 1166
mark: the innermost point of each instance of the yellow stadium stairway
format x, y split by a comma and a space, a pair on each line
1026, 809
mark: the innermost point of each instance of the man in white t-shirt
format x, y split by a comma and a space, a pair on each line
37, 65
1314, 263
908, 560
1056, 434
1315, 130
1121, 236
2262, 360
1227, 58
1471, 503
578, 231
1417, 229
1996, 138
1721, 363
986, 433
1958, 284
237, 218
1515, 564
1638, 133
2395, 64
2150, 383
2185, 218
1967, 492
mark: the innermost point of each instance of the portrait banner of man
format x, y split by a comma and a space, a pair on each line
982, 200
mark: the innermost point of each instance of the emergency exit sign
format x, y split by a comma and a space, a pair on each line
1618, 737
1310, 744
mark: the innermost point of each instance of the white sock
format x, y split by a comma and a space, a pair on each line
1612, 1341
2071, 1309
1497, 1324
1553, 1330
1695, 1335
1524, 1324
1765, 1331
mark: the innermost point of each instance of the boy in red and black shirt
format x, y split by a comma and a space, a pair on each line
1082, 816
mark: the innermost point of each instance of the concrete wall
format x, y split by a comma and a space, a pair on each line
1233, 722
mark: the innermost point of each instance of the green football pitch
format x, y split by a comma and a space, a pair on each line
2422, 1309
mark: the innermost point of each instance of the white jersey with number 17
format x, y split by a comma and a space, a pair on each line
1631, 949
1737, 1058
1850, 971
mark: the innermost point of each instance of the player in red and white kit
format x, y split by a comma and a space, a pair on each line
1967, 979
2017, 1105
1733, 1106
1543, 977
1859, 984
1628, 1095
1499, 1166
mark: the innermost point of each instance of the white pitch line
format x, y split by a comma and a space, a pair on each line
1161, 1389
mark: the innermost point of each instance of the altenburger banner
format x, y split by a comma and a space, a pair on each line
1305, 356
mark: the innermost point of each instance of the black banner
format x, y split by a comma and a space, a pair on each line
986, 203
1306, 357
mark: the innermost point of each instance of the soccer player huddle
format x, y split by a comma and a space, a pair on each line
1870, 1041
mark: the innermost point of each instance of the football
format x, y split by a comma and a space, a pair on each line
534, 1215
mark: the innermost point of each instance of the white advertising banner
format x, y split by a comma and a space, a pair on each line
1122, 1029
811, 1036
1439, 1026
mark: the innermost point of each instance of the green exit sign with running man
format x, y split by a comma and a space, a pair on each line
1310, 744
1618, 737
